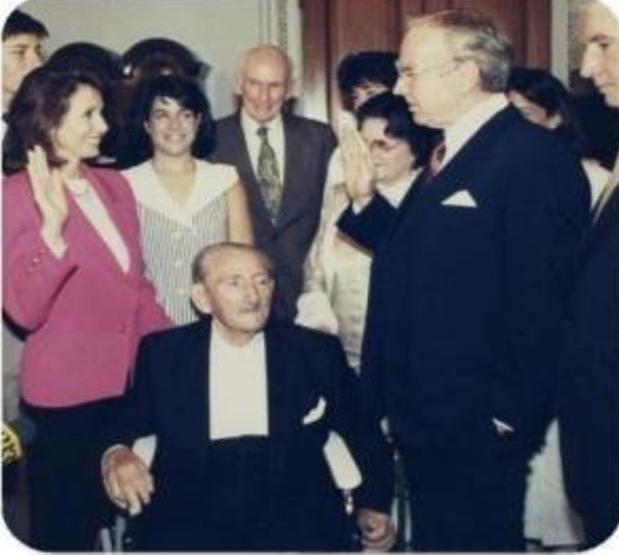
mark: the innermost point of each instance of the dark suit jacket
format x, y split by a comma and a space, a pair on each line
308, 146
466, 302
198, 481
589, 394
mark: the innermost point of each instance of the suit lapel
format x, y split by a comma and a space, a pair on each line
193, 379
294, 166
473, 155
88, 238
278, 379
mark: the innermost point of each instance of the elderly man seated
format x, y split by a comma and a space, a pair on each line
242, 410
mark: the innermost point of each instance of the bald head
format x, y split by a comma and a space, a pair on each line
263, 81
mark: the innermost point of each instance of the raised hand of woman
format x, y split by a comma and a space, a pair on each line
49, 195
358, 171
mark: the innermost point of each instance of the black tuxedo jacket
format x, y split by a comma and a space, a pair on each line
308, 146
468, 285
589, 394
205, 489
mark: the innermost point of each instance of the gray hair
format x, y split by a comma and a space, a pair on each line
472, 35
206, 255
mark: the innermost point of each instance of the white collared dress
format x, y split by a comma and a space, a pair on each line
172, 234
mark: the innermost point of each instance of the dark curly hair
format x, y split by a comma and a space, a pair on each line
400, 124
184, 91
359, 68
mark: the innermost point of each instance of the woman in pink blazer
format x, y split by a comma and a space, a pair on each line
73, 277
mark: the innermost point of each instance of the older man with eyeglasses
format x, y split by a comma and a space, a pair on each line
467, 290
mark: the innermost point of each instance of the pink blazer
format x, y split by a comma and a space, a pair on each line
85, 315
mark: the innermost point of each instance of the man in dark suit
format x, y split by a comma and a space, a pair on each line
242, 413
589, 394
467, 288
282, 160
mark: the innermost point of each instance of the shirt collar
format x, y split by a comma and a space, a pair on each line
222, 344
250, 125
469, 123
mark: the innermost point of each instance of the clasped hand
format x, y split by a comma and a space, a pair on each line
128, 482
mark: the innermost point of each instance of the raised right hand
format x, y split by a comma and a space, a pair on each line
358, 172
48, 192
128, 482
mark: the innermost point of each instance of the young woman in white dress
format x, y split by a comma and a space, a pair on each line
184, 201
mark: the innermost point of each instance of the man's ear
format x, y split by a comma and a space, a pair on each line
470, 76
200, 299
237, 83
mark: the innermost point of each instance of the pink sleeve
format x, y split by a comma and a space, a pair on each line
33, 276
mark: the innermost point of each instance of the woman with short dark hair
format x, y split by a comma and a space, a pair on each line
337, 272
184, 201
73, 278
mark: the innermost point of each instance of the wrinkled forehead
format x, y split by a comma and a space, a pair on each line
234, 262
267, 62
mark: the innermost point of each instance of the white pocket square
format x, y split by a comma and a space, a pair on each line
316, 413
460, 198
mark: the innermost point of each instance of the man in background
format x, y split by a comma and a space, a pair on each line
22, 51
282, 161
589, 395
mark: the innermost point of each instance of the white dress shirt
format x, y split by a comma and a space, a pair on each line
458, 134
275, 137
238, 397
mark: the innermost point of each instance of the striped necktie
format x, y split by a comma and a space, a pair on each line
268, 175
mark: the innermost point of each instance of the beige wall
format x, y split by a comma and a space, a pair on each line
216, 30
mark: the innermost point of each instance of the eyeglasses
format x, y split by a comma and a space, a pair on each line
413, 75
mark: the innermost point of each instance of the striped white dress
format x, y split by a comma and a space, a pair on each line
172, 234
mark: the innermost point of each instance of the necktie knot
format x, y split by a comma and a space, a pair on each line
263, 133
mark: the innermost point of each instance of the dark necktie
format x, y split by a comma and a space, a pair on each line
268, 175
436, 159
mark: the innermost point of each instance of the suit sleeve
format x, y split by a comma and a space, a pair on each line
33, 276
546, 211
369, 226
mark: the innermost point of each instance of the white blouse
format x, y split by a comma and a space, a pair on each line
172, 234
